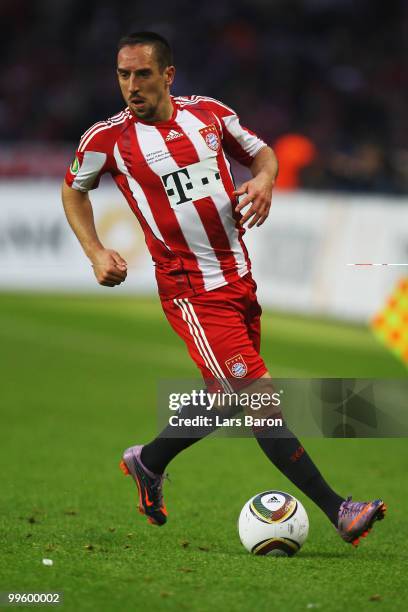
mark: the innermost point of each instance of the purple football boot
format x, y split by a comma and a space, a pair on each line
357, 518
149, 486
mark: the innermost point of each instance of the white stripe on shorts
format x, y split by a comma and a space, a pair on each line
201, 341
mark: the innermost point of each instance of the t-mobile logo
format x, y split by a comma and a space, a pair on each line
179, 184
195, 182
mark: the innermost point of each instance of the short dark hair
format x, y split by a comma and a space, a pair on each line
164, 54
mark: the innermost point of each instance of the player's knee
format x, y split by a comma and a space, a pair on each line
228, 404
261, 400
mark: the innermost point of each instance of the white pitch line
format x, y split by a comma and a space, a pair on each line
377, 264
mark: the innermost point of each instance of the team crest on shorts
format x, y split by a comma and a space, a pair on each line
237, 366
211, 137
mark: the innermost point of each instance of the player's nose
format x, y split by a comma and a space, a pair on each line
133, 84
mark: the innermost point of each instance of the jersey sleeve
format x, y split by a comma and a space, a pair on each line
91, 161
238, 141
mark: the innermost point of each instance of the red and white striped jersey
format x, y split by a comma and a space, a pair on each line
177, 180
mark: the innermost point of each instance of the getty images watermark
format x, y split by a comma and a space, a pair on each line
328, 407
223, 407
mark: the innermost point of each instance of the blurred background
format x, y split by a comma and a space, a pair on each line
332, 73
325, 82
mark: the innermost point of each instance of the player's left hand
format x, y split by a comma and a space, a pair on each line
259, 192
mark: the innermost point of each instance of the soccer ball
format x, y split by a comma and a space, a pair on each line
273, 523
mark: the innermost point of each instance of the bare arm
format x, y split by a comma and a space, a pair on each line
109, 267
264, 170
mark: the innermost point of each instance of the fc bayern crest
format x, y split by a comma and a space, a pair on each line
211, 137
237, 366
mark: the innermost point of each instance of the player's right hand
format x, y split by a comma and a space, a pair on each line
109, 267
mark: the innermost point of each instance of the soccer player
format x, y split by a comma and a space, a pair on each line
168, 157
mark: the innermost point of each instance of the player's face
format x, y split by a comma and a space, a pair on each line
144, 86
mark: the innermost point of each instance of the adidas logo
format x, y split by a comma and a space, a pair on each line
173, 134
272, 499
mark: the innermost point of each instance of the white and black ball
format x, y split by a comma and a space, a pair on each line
273, 523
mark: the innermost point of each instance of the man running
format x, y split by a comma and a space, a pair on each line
168, 156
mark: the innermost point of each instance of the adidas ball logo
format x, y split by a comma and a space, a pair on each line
273, 499
173, 134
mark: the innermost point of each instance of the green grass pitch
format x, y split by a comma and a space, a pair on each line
78, 385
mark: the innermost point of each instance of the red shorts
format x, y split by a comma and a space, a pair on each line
222, 331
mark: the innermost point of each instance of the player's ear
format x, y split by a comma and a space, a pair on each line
169, 74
